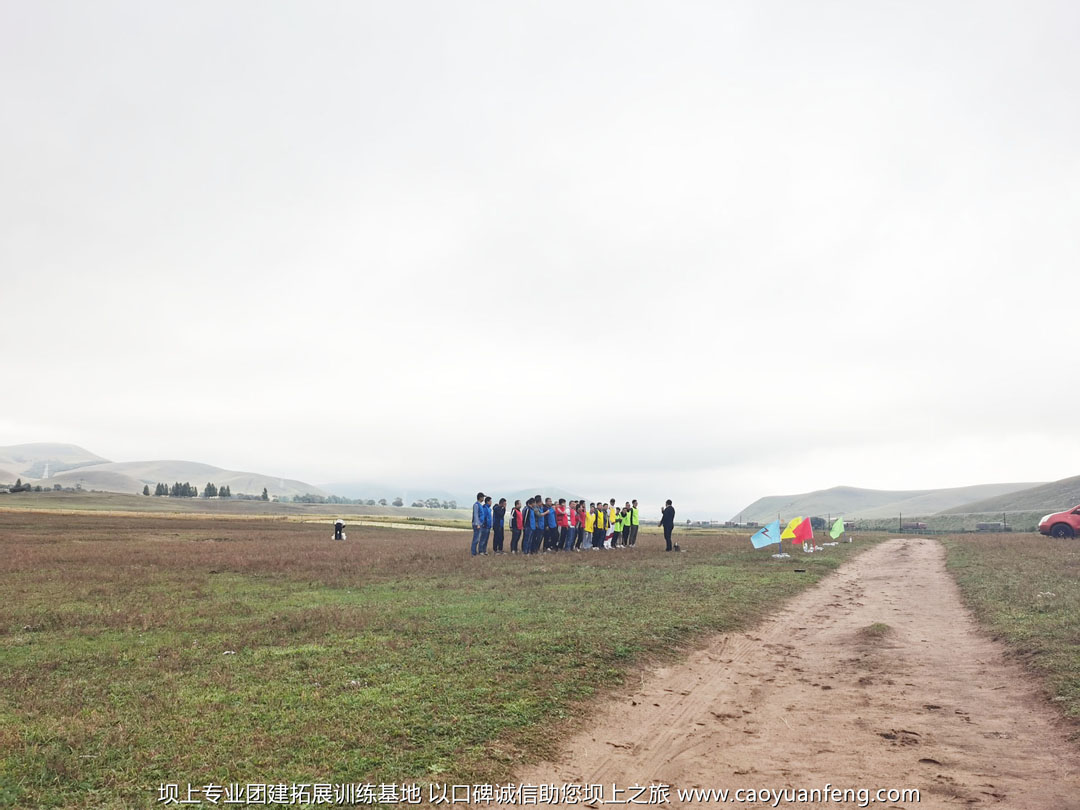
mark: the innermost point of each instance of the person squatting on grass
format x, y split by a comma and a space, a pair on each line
542, 526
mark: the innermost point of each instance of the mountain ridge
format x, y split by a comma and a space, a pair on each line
70, 465
1053, 496
857, 502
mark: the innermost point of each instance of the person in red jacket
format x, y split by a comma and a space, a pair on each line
517, 523
571, 526
580, 538
562, 525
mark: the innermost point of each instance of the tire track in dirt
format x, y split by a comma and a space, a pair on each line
813, 697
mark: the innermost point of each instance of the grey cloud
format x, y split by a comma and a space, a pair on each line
733, 248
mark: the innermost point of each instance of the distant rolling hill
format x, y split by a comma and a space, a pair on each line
37, 460
119, 477
102, 480
1052, 497
872, 503
70, 465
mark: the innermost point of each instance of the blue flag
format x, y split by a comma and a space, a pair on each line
767, 536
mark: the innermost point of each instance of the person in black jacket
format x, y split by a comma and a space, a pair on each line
498, 518
528, 520
667, 521
517, 521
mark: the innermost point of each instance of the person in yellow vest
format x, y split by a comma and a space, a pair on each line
590, 523
634, 523
599, 527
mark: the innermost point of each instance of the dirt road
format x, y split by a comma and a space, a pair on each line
815, 696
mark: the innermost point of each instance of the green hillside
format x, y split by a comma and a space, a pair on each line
872, 503
1052, 497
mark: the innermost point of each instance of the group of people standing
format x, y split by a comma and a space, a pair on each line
542, 525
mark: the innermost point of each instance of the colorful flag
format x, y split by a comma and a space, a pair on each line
767, 536
804, 531
837, 528
789, 532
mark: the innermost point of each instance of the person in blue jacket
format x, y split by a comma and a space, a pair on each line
540, 536
477, 522
537, 525
486, 531
551, 534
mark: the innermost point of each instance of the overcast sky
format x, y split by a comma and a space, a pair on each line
707, 251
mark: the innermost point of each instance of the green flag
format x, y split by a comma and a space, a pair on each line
837, 528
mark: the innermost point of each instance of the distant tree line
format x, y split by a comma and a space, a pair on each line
242, 497
211, 490
435, 503
19, 486
430, 503
308, 497
177, 490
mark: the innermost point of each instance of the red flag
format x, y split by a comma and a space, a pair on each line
804, 531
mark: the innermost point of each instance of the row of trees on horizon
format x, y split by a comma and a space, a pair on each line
430, 503
211, 490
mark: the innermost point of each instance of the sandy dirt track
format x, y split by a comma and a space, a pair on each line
809, 698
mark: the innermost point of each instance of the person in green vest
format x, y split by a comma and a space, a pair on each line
633, 523
616, 526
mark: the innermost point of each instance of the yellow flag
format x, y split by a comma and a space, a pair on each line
789, 532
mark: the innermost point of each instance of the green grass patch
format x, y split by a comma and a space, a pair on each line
134, 653
1026, 590
877, 630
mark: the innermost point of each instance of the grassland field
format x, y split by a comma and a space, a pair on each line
392, 657
137, 650
112, 502
1025, 588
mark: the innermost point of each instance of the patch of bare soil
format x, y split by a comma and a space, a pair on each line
878, 677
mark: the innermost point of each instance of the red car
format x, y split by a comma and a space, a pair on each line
1061, 524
